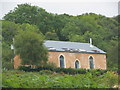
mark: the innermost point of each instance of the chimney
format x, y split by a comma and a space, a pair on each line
91, 43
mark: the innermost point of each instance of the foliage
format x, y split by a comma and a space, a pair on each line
7, 56
29, 45
21, 79
46, 72
9, 30
68, 71
103, 30
51, 36
25, 13
50, 64
113, 54
76, 38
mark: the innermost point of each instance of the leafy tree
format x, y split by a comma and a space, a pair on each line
26, 26
0, 49
7, 56
51, 36
25, 13
77, 38
69, 29
0, 38
29, 45
87, 23
117, 18
59, 23
113, 55
9, 30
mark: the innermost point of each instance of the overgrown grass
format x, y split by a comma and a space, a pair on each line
49, 79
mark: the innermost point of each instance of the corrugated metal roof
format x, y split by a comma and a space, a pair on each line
64, 46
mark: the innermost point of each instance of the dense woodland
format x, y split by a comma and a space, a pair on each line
103, 30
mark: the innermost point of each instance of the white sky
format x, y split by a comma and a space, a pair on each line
108, 8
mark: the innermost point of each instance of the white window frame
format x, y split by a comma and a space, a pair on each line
79, 63
64, 60
93, 62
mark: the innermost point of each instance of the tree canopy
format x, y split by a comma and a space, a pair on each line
29, 45
103, 30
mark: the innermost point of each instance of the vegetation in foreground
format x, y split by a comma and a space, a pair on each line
49, 79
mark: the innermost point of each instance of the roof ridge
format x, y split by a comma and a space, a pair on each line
66, 41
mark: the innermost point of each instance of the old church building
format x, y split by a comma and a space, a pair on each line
73, 54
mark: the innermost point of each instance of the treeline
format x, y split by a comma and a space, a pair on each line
103, 30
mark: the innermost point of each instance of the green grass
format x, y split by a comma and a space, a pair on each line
49, 79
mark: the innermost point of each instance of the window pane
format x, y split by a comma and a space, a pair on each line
62, 61
76, 64
91, 63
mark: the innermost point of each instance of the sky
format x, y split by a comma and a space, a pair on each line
107, 8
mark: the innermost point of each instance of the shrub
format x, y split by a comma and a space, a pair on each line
97, 72
46, 72
59, 70
108, 79
24, 68
50, 64
71, 71
81, 71
21, 79
7, 65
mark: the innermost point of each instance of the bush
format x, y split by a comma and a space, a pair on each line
81, 71
71, 71
7, 65
57, 70
97, 72
46, 72
21, 79
51, 65
25, 68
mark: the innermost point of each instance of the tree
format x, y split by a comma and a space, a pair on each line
77, 38
113, 58
9, 30
69, 29
0, 48
25, 13
29, 45
51, 36
7, 56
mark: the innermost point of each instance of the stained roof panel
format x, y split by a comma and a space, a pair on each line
72, 46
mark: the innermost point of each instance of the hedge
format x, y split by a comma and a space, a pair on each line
71, 71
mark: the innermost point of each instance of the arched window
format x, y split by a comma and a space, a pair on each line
77, 65
91, 62
62, 65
